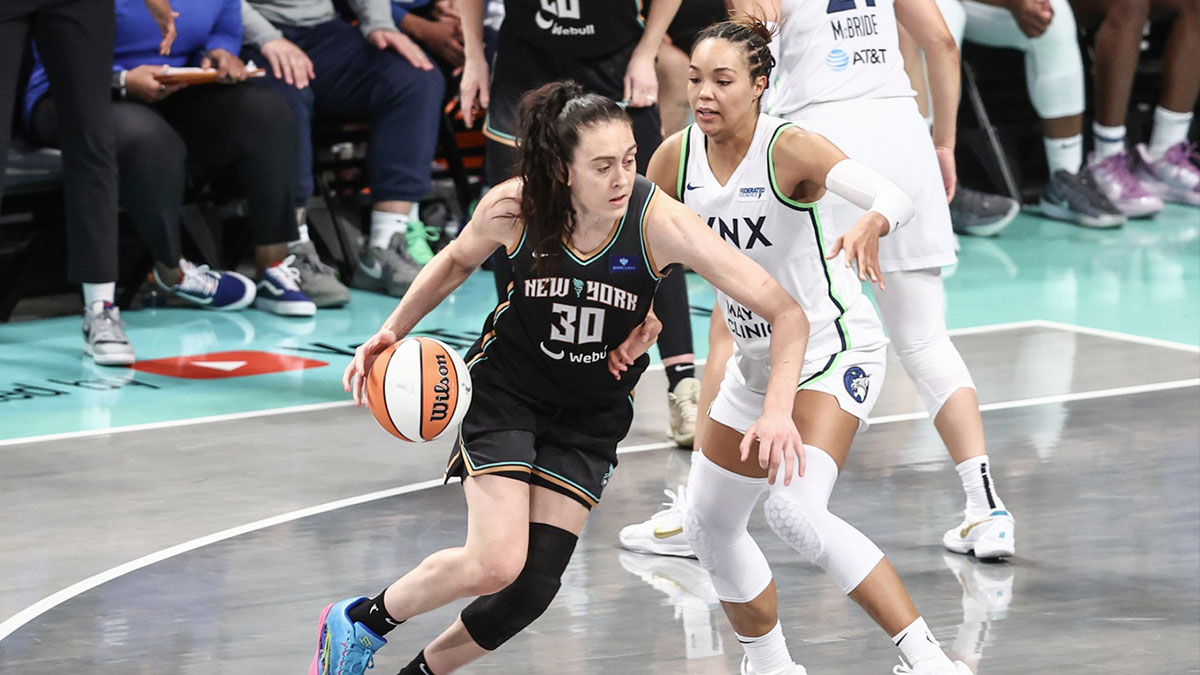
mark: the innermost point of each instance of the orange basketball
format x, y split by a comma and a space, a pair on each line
419, 388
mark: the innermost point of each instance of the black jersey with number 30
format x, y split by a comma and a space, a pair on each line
552, 335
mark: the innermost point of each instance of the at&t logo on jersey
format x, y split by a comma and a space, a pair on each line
857, 383
565, 10
838, 60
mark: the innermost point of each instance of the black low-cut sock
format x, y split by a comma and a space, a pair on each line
417, 667
374, 615
678, 372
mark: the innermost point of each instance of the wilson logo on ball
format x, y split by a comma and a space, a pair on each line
419, 388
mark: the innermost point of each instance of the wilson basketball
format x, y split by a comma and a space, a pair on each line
418, 389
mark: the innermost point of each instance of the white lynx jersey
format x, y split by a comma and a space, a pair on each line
783, 236
835, 50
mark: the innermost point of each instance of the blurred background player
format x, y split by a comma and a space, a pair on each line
76, 39
608, 47
324, 65
1045, 31
161, 129
1139, 179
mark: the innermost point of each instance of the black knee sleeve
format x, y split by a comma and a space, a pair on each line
493, 619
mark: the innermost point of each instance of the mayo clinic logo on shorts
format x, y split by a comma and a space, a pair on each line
857, 382
562, 9
837, 60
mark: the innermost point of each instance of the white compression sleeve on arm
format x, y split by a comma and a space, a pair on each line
866, 189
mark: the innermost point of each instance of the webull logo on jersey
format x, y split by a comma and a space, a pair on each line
751, 194
857, 383
562, 9
559, 354
732, 231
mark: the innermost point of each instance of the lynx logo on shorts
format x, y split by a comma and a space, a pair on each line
857, 382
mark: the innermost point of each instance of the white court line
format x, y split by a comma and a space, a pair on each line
1116, 335
44, 605
311, 407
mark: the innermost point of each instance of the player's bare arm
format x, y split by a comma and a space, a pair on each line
676, 234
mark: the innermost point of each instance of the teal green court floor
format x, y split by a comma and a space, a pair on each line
1142, 279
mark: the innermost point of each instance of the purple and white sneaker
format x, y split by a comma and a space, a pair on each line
1175, 177
1114, 176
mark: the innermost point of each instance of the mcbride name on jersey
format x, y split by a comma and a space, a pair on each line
784, 236
836, 50
552, 336
576, 28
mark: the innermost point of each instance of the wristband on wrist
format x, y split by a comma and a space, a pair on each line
118, 82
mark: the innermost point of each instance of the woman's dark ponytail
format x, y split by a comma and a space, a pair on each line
549, 120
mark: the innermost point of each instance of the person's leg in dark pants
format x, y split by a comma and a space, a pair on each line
356, 81
248, 128
13, 30
671, 306
75, 41
300, 103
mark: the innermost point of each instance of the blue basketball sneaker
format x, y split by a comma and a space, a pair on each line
344, 647
279, 290
207, 288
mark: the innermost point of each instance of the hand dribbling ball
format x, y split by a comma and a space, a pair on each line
418, 389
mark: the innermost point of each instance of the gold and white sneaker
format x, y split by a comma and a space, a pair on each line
662, 534
990, 536
682, 401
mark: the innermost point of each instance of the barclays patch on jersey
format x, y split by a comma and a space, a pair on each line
621, 263
751, 194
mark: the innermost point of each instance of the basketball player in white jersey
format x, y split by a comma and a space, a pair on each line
866, 107
761, 183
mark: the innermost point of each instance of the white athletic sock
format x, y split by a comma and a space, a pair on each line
919, 647
768, 654
1170, 128
301, 225
977, 482
99, 293
1064, 153
384, 225
1109, 141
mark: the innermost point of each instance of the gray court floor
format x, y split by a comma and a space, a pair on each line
1101, 470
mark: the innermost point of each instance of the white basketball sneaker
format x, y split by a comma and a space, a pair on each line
991, 536
747, 669
662, 534
958, 668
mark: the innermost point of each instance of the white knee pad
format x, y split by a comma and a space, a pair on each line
799, 514
1054, 66
913, 309
718, 509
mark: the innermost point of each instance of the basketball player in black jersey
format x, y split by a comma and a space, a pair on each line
605, 46
588, 240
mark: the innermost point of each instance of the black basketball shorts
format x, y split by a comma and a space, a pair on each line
572, 451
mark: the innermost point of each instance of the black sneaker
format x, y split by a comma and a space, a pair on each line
1077, 199
981, 214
